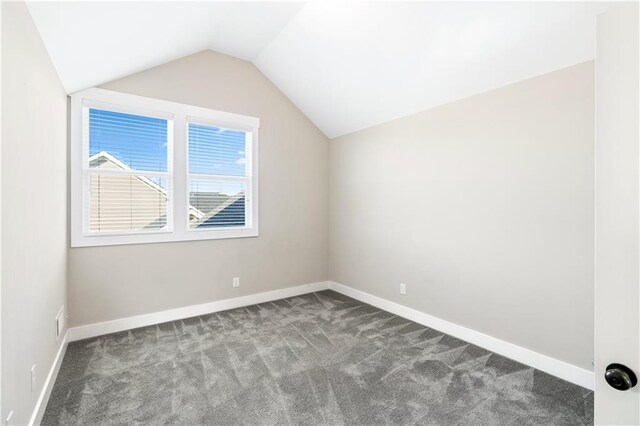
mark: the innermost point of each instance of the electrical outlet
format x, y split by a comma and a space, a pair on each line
7, 421
236, 282
33, 378
403, 288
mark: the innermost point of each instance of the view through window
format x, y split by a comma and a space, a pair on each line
217, 175
128, 179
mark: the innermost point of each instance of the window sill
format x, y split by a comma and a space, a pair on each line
162, 237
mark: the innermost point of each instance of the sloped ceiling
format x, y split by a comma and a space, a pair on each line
95, 42
347, 65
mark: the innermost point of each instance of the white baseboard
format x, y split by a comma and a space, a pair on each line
555, 367
43, 399
99, 329
526, 356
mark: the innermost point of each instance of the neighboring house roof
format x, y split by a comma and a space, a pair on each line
230, 213
207, 201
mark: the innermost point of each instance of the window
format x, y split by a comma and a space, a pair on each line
127, 172
145, 170
218, 178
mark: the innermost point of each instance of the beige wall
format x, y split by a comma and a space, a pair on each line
107, 283
34, 210
483, 207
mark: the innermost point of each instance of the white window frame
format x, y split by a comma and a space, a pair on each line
179, 115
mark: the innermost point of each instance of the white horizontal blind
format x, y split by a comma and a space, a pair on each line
219, 164
127, 172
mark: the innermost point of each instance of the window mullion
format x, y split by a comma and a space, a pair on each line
130, 172
220, 177
178, 163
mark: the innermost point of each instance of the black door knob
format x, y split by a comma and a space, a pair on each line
620, 377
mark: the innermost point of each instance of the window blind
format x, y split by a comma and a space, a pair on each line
136, 141
127, 172
218, 176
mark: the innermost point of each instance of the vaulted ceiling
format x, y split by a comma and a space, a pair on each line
346, 65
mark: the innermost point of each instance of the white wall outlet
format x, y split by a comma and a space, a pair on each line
7, 421
236, 282
403, 288
33, 378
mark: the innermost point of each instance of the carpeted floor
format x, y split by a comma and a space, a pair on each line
320, 358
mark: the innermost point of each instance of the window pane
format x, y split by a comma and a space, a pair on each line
216, 204
127, 203
216, 151
127, 141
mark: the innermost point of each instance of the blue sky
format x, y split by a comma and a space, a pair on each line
216, 151
141, 143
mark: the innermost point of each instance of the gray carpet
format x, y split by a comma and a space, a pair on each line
321, 358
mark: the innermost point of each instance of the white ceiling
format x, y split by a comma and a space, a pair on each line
347, 65
95, 42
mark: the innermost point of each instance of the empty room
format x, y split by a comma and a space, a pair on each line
319, 213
